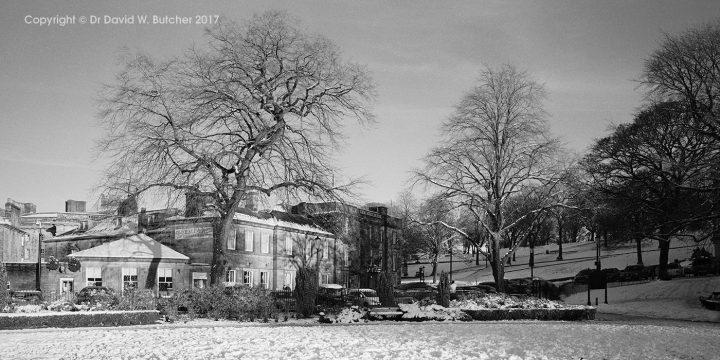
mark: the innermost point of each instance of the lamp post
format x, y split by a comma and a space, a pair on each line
451, 249
317, 262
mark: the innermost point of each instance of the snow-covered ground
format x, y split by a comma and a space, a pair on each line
477, 340
675, 299
576, 256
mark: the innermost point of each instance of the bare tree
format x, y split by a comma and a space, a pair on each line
432, 236
258, 110
495, 145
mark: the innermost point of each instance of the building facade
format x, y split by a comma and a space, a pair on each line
371, 235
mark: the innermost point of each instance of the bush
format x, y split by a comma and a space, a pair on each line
218, 302
97, 297
137, 299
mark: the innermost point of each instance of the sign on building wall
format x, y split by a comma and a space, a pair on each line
193, 232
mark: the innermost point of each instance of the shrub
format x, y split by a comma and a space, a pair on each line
137, 299
97, 297
218, 302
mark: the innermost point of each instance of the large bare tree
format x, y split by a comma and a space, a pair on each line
259, 109
495, 146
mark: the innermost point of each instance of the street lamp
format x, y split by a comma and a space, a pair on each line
318, 242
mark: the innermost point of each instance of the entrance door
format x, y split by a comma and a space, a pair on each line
67, 286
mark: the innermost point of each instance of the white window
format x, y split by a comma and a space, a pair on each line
264, 279
326, 249
289, 282
26, 256
288, 245
129, 278
265, 243
324, 278
94, 276
248, 241
231, 277
199, 280
165, 282
231, 240
248, 277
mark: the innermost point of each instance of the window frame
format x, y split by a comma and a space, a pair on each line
248, 280
249, 240
131, 272
232, 240
169, 289
265, 243
94, 281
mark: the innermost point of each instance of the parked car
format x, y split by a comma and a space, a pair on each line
703, 266
416, 290
363, 297
331, 295
284, 300
611, 274
634, 273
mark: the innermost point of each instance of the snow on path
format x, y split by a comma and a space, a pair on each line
675, 299
486, 340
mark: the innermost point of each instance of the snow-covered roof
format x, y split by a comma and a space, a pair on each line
282, 219
139, 246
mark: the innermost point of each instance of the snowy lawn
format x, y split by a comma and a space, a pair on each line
203, 339
674, 299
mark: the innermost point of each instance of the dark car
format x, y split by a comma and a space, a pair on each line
611, 274
31, 296
92, 295
415, 290
703, 266
634, 273
331, 295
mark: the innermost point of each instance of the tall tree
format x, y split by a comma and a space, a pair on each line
258, 110
431, 236
656, 165
686, 68
495, 145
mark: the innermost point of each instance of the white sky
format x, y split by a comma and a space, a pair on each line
423, 56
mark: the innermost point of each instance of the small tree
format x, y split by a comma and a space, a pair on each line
306, 288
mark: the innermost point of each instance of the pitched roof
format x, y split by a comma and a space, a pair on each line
138, 246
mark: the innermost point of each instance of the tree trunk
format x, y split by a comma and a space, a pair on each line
498, 267
222, 229
638, 248
664, 253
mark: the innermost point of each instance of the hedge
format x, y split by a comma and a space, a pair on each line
78, 319
532, 314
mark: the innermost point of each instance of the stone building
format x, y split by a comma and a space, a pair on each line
19, 254
371, 235
266, 250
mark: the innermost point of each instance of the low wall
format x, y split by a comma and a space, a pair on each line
77, 319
